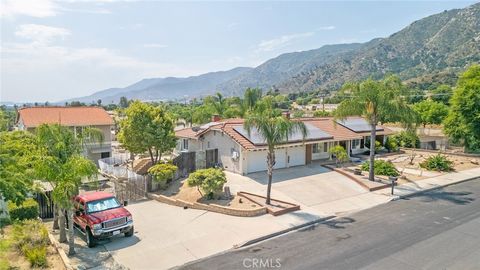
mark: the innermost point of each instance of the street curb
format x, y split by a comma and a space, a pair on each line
398, 197
61, 252
275, 234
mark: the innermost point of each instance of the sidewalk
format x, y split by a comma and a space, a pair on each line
431, 183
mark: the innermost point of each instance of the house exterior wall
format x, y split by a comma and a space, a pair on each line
93, 151
216, 139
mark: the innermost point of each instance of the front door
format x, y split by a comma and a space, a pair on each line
211, 158
308, 154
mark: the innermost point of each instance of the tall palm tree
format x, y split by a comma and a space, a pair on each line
274, 130
378, 102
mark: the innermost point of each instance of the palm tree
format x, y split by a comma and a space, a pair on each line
251, 97
378, 102
274, 130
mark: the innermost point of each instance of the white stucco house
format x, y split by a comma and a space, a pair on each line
227, 144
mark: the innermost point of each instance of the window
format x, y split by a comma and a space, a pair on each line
208, 144
102, 205
105, 155
185, 144
315, 148
356, 144
325, 147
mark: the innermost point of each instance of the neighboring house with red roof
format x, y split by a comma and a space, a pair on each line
227, 143
75, 117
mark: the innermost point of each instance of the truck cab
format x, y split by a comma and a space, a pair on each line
100, 215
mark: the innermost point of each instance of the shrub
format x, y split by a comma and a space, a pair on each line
391, 145
437, 163
208, 180
163, 172
37, 256
27, 210
339, 152
381, 167
407, 139
378, 145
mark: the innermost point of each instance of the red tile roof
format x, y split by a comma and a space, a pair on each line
326, 124
66, 116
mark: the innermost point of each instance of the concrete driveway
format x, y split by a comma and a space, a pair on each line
167, 236
317, 189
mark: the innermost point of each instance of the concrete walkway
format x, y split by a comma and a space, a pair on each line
431, 183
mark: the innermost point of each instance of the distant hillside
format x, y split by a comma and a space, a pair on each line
167, 88
431, 50
282, 68
443, 43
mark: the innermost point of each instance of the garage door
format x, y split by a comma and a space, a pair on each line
257, 160
297, 155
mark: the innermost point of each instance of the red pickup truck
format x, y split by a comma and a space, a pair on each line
99, 215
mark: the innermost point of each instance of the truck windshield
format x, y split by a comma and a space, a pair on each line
102, 205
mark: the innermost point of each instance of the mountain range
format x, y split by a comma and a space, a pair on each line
437, 46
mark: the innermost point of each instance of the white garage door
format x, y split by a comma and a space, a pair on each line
257, 160
297, 155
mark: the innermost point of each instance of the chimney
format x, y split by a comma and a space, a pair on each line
286, 114
216, 118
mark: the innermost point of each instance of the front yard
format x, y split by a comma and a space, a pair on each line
25, 246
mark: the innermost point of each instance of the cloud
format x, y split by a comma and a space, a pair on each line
38, 33
33, 8
155, 45
285, 40
326, 28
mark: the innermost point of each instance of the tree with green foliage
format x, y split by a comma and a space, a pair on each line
61, 164
408, 139
442, 94
18, 155
339, 153
463, 120
274, 130
377, 102
209, 181
430, 112
147, 129
123, 102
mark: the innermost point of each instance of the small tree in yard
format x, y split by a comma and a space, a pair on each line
209, 181
62, 165
163, 172
340, 154
147, 129
463, 120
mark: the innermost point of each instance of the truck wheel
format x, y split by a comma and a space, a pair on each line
129, 232
90, 239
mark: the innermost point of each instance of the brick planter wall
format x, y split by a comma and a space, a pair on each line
210, 207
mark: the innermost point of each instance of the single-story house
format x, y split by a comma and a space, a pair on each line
76, 118
227, 143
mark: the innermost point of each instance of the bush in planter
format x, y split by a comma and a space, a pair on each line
437, 163
381, 167
340, 154
163, 173
27, 210
209, 181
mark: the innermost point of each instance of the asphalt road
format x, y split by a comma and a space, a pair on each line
435, 230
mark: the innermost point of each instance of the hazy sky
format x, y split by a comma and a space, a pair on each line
53, 50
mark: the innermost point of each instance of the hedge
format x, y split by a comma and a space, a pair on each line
29, 209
